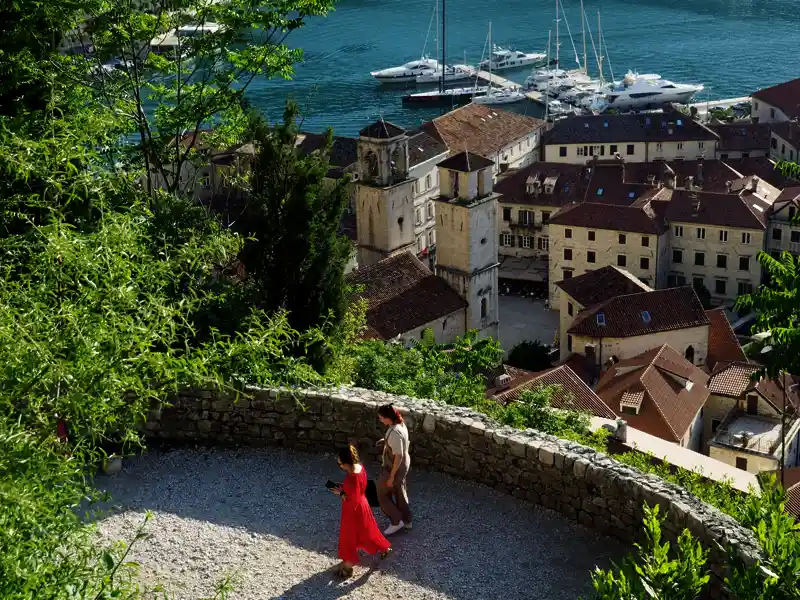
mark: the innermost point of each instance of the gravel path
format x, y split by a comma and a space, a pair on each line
265, 517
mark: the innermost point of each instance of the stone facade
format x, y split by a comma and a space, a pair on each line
581, 484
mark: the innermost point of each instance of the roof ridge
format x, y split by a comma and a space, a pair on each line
652, 397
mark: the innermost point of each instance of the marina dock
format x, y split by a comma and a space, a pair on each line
502, 82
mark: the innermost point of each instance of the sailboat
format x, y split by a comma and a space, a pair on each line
443, 96
498, 96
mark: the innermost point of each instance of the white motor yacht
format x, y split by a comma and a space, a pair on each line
500, 96
504, 59
454, 73
645, 91
408, 72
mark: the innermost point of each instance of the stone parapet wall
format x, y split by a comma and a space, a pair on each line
580, 483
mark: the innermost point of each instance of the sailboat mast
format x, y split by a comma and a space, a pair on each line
583, 32
546, 101
444, 48
557, 44
600, 36
491, 48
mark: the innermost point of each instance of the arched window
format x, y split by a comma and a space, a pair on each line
484, 308
690, 354
372, 164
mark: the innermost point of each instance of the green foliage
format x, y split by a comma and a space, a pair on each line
716, 493
294, 255
530, 355
656, 573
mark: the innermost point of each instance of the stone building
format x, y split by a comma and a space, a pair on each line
508, 139
743, 418
776, 104
637, 138
785, 141
466, 237
783, 234
741, 140
659, 392
404, 299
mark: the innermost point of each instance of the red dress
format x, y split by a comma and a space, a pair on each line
358, 529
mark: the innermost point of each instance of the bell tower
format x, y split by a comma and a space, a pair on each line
466, 237
384, 193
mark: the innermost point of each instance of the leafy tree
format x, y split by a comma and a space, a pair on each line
295, 256
207, 53
703, 294
530, 355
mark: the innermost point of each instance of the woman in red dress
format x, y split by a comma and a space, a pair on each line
358, 529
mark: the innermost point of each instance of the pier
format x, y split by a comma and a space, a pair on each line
704, 108
502, 82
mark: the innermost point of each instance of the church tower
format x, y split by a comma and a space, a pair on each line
466, 237
384, 193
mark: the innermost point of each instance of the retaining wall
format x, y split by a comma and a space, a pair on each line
581, 484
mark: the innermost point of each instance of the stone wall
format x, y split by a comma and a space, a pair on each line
581, 484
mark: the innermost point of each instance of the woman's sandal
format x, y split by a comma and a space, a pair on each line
344, 572
385, 554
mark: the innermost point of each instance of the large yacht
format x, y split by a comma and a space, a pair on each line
504, 59
645, 91
409, 72
451, 73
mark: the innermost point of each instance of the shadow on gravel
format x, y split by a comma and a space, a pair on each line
325, 586
468, 541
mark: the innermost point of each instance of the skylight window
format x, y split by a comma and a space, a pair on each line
566, 189
605, 124
601, 319
631, 195
680, 122
600, 191
646, 316
586, 126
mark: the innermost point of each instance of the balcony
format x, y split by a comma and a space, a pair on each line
518, 226
750, 433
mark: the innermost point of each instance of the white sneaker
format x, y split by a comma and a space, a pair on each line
391, 529
408, 525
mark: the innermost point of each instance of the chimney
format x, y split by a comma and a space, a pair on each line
699, 177
589, 352
695, 205
754, 184
754, 120
690, 182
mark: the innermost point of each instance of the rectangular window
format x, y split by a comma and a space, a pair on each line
420, 244
744, 287
699, 259
741, 463
621, 260
698, 282
526, 217
570, 308
630, 149
430, 210
678, 230
418, 216
562, 151
715, 423
722, 261
744, 263
622, 238
795, 237
701, 233
591, 236
545, 218
644, 263
745, 237
723, 235
507, 237
567, 254
507, 215
526, 241
777, 234
567, 273
568, 233
590, 257
612, 149
701, 145
544, 243
680, 145
569, 343
719, 287
659, 146
677, 256
431, 238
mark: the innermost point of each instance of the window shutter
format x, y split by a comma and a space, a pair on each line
512, 241
501, 239
519, 241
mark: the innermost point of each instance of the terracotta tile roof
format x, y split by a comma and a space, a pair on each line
763, 168
634, 219
573, 393
732, 379
581, 366
791, 482
657, 380
466, 162
743, 211
344, 151
742, 136
785, 96
789, 131
423, 147
604, 129
402, 294
608, 186
482, 129
381, 130
722, 342
599, 285
624, 316
566, 184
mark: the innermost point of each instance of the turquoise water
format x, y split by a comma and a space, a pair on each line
733, 47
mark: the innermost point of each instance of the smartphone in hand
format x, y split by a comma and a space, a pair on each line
331, 485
